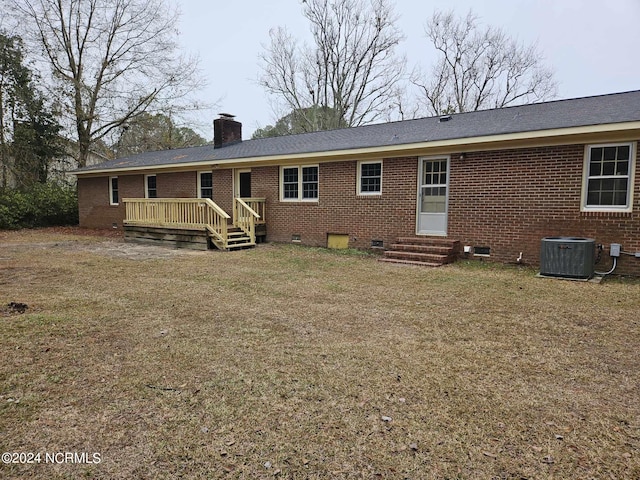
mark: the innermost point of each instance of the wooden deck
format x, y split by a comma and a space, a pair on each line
194, 222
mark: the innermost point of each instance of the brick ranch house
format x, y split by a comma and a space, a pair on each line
498, 181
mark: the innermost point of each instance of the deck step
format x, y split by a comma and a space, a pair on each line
237, 246
425, 251
237, 239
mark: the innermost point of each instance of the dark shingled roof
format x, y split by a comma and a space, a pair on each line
598, 110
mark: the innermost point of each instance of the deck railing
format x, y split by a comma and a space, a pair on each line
245, 218
179, 213
258, 205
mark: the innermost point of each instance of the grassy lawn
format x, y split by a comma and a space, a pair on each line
290, 362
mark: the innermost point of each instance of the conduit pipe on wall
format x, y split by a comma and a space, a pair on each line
615, 264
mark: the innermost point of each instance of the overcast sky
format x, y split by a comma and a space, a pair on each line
592, 45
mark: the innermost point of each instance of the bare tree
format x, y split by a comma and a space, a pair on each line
480, 68
114, 59
350, 69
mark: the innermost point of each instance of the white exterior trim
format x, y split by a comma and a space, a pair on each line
359, 192
236, 180
419, 192
111, 202
630, 185
299, 199
146, 184
625, 131
200, 172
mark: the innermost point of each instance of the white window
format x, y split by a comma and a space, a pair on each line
205, 185
299, 183
369, 178
150, 186
114, 197
608, 178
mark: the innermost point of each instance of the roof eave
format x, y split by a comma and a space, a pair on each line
588, 133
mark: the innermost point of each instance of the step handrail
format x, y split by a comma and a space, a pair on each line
258, 204
218, 229
244, 217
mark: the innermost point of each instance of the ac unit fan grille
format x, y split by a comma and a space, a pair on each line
569, 257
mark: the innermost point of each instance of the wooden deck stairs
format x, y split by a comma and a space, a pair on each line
237, 239
194, 223
424, 251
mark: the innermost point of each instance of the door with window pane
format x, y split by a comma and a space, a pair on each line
433, 196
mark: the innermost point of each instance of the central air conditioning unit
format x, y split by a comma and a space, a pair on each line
568, 257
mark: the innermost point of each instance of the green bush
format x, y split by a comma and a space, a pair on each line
41, 205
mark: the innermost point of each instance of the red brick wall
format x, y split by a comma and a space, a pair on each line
177, 185
506, 200
223, 189
509, 200
339, 209
93, 200
93, 195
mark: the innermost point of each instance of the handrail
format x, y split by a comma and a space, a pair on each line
179, 213
244, 217
250, 210
259, 206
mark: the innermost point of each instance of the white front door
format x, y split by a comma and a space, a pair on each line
433, 195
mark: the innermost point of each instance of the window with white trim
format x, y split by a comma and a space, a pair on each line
150, 186
299, 183
205, 185
369, 178
608, 178
114, 197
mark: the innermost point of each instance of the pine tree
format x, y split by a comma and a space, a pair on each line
29, 131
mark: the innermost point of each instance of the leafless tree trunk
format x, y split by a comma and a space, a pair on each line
480, 68
4, 157
350, 69
114, 59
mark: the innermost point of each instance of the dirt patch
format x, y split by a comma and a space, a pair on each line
133, 251
16, 235
84, 232
13, 308
109, 243
105, 248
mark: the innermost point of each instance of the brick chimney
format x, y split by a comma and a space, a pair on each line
226, 130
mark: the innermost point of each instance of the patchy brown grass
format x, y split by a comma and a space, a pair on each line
282, 362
